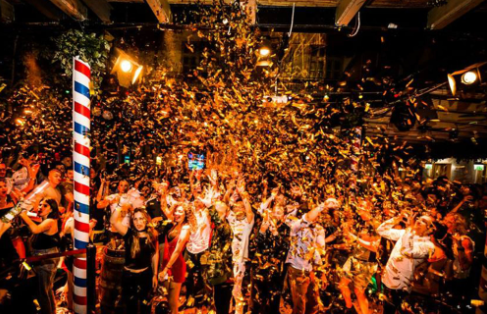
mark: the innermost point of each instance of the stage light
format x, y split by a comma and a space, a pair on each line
126, 66
264, 63
128, 71
137, 74
469, 77
264, 51
453, 84
264, 54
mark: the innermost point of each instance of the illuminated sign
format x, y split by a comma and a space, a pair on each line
479, 167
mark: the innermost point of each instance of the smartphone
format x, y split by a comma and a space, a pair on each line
196, 161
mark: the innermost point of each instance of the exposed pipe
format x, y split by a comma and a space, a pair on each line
292, 21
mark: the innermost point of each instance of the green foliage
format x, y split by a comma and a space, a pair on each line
90, 47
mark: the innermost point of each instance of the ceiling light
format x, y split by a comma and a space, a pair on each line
264, 51
453, 84
126, 66
469, 78
127, 70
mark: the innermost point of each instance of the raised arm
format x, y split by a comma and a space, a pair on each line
109, 200
228, 193
386, 229
315, 212
245, 198
102, 190
265, 204
32, 171
116, 219
371, 244
42, 227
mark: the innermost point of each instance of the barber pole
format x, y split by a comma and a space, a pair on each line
81, 163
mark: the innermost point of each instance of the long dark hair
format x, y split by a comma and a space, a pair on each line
54, 214
151, 232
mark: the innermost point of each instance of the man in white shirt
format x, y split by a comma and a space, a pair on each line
117, 200
197, 245
413, 247
307, 248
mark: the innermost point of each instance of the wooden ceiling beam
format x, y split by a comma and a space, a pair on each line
48, 9
251, 10
101, 8
346, 10
440, 17
73, 8
161, 10
7, 12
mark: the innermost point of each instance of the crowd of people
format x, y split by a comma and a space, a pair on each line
205, 242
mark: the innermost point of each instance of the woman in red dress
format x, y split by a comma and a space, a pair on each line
175, 237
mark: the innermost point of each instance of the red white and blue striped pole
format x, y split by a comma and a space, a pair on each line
81, 162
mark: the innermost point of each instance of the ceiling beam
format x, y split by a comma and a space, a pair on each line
161, 10
72, 8
7, 12
251, 10
46, 8
346, 10
440, 17
101, 8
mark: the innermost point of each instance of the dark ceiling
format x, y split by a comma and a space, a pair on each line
392, 33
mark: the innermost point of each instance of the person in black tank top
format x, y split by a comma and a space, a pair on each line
141, 259
45, 240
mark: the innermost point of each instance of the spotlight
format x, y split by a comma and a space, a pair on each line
453, 84
264, 63
469, 78
264, 54
264, 51
127, 69
126, 66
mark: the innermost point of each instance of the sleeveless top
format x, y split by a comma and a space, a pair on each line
458, 271
178, 269
42, 241
143, 259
